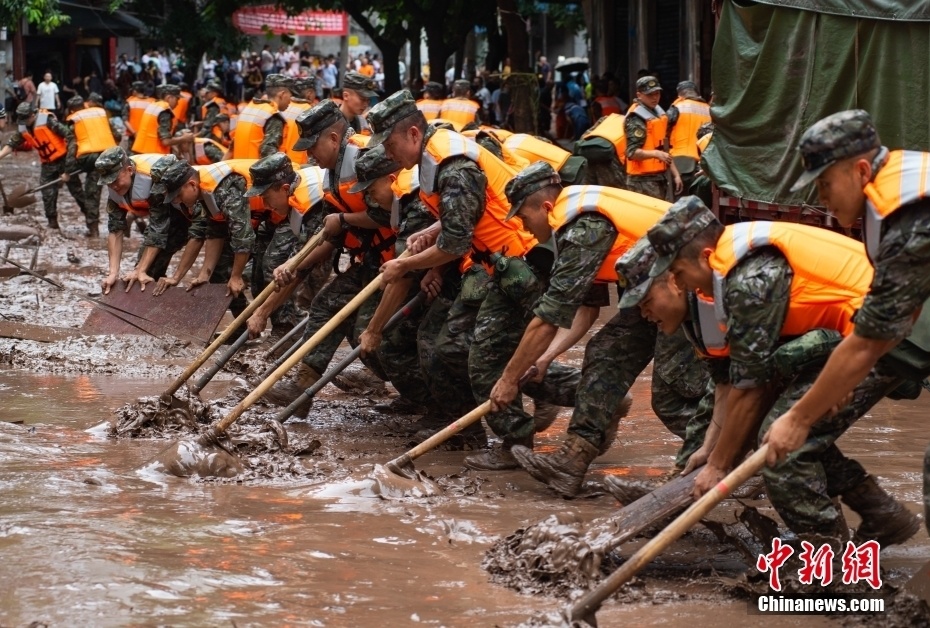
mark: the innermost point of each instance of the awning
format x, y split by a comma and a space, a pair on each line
90, 21
268, 19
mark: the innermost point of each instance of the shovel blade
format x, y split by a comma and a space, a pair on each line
392, 485
18, 198
189, 458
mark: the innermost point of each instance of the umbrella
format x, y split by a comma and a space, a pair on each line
572, 64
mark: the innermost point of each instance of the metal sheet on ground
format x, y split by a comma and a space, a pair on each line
178, 312
39, 333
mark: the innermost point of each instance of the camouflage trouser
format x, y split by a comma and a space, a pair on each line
650, 185
801, 487
51, 171
400, 357
616, 356
176, 239
273, 246
435, 376
328, 302
91, 189
502, 318
609, 173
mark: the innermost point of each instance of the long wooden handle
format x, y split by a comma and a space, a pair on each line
298, 355
591, 602
311, 244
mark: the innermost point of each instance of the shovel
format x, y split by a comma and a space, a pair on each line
17, 199
331, 374
206, 456
290, 334
585, 609
403, 464
230, 351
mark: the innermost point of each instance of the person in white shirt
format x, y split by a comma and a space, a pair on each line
48, 94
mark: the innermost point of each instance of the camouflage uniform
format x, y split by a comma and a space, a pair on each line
634, 127
274, 133
212, 109
607, 171
274, 245
86, 164
364, 87
50, 171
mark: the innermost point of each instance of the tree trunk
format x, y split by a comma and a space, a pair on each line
416, 63
523, 88
390, 54
496, 48
438, 51
517, 41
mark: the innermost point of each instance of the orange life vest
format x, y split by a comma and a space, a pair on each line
831, 275
183, 107
219, 102
382, 240
703, 142
493, 233
138, 201
611, 129
292, 132
50, 146
534, 149
903, 179
200, 152
459, 111
630, 213
213, 174
92, 131
509, 157
147, 140
307, 193
407, 182
656, 128
137, 107
691, 115
609, 105
250, 129
430, 108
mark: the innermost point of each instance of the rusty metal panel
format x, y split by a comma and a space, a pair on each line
190, 315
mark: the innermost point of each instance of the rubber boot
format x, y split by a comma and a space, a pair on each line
562, 471
499, 457
93, 230
544, 415
883, 518
53, 223
283, 393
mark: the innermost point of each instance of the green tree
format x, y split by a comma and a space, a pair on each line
45, 15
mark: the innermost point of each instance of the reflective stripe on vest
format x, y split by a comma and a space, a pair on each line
292, 132
611, 129
407, 182
92, 131
534, 149
458, 111
307, 193
713, 335
493, 234
691, 115
430, 108
509, 157
656, 128
212, 175
137, 107
200, 153
147, 140
903, 179
250, 129
831, 272
50, 146
138, 201
631, 215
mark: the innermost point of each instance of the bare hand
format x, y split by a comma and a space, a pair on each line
392, 271
679, 185
786, 435
431, 283
137, 275
422, 240
708, 478
199, 280
65, 177
283, 275
503, 394
696, 460
369, 342
332, 226
542, 365
256, 324
662, 156
163, 284
108, 283
235, 286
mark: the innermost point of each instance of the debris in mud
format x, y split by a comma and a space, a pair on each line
152, 417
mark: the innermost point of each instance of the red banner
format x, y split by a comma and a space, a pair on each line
264, 19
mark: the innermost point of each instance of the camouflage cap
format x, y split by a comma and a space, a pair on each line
371, 165
461, 84
170, 90
269, 170
686, 86
278, 80
686, 218
75, 102
433, 88
312, 122
168, 175
633, 269
442, 123
648, 85
838, 136
213, 86
389, 112
360, 83
529, 180
95, 98
109, 163
302, 84
24, 110
138, 86
221, 117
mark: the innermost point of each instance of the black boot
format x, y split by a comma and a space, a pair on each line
883, 518
562, 471
499, 457
53, 223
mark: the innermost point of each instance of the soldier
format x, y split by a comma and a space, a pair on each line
647, 159
592, 227
296, 107
134, 109
857, 178
182, 109
460, 110
431, 103
463, 185
219, 132
686, 116
92, 133
260, 126
208, 151
41, 130
771, 282
357, 92
155, 133
213, 106
604, 146
129, 180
